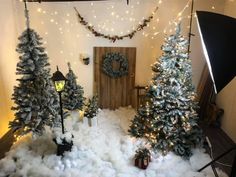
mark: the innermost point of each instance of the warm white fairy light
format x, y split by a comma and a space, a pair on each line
127, 17
39, 10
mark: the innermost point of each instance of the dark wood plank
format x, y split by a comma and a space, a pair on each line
220, 143
6, 142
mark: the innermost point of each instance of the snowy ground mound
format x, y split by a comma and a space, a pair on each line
102, 151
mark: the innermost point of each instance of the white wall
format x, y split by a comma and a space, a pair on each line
226, 99
8, 61
65, 39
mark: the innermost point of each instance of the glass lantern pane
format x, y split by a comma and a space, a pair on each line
59, 85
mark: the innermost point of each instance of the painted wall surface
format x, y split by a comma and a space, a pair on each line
65, 39
8, 59
226, 99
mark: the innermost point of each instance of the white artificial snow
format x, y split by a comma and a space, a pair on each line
102, 151
59, 137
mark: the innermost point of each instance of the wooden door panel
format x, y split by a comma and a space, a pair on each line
114, 92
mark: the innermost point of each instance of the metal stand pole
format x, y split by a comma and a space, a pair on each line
233, 171
62, 121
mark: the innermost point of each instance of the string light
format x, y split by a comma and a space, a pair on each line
39, 10
127, 17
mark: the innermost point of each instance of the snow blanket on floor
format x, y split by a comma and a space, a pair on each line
103, 151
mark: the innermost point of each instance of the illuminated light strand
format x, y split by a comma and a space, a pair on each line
114, 38
174, 21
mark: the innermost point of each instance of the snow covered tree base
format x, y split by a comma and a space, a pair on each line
66, 146
91, 122
64, 142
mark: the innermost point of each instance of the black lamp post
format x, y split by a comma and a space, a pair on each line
59, 82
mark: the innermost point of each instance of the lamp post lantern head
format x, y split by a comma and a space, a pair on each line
59, 80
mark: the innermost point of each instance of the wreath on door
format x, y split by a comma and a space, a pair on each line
107, 65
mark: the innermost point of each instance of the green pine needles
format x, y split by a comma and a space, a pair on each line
36, 101
169, 120
91, 109
72, 96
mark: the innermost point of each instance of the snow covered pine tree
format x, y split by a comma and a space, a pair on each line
36, 101
170, 122
91, 109
72, 96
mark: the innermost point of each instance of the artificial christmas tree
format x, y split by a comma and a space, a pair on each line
91, 111
36, 102
72, 97
171, 124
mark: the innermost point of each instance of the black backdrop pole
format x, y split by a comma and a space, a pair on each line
190, 26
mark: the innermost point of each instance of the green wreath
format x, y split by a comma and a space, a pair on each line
107, 65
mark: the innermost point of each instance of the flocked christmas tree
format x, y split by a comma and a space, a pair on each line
36, 101
73, 94
91, 109
169, 123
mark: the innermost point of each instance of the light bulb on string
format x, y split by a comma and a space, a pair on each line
39, 10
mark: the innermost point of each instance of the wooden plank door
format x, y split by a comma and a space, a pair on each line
114, 92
